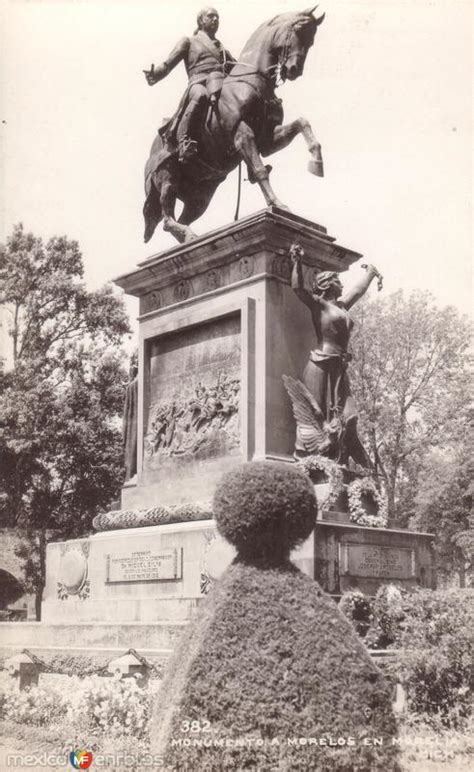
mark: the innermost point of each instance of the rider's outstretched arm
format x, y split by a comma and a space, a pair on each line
178, 53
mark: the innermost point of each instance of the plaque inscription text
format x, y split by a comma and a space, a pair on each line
145, 566
377, 561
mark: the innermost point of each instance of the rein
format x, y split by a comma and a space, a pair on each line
264, 73
240, 77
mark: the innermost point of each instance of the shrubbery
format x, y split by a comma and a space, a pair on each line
357, 607
433, 635
94, 704
437, 640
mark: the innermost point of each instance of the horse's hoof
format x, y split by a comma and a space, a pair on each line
282, 206
316, 167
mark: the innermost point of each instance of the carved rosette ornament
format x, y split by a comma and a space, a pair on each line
182, 290
246, 267
73, 570
281, 266
152, 301
212, 280
218, 555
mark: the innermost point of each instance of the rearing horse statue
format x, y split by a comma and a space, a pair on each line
245, 124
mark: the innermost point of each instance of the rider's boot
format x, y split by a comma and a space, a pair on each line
189, 123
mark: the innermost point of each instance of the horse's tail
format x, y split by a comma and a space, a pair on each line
152, 207
151, 210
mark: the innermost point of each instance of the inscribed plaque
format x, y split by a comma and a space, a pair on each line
145, 566
375, 560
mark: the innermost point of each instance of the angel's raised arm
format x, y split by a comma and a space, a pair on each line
297, 280
358, 290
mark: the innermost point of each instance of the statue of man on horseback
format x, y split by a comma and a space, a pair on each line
206, 139
207, 63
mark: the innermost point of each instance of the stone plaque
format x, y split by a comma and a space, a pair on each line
145, 566
377, 561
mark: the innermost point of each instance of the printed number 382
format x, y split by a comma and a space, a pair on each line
195, 726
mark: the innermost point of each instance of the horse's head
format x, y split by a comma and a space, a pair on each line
293, 40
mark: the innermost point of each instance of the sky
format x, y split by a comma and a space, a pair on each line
386, 87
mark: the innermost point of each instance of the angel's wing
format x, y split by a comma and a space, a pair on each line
308, 416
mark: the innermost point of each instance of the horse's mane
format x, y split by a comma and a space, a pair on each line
287, 19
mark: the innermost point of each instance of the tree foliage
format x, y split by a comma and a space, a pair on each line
61, 394
409, 376
444, 505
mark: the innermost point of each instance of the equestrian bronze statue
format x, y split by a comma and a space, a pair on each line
228, 113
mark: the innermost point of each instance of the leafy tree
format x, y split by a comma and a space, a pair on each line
60, 441
444, 504
409, 376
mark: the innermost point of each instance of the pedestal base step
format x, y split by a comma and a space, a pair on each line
157, 639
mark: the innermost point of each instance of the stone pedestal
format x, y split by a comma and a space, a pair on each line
218, 326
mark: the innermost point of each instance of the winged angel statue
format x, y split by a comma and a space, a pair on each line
323, 406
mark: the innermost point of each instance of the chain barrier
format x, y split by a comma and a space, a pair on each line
102, 670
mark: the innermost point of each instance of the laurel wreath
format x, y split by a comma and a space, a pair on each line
365, 486
330, 468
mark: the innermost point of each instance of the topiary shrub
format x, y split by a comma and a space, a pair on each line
265, 509
271, 675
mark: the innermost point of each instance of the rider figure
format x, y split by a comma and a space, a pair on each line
207, 62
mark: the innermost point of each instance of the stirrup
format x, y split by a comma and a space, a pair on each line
187, 149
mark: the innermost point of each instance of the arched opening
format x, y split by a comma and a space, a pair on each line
11, 590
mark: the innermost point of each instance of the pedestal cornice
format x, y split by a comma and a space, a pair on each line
227, 255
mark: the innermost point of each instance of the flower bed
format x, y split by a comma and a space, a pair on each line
93, 704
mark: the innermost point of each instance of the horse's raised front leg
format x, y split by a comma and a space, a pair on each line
245, 144
283, 135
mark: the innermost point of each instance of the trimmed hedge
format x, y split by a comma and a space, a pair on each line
265, 509
272, 664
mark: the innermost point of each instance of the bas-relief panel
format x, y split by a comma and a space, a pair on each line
194, 393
